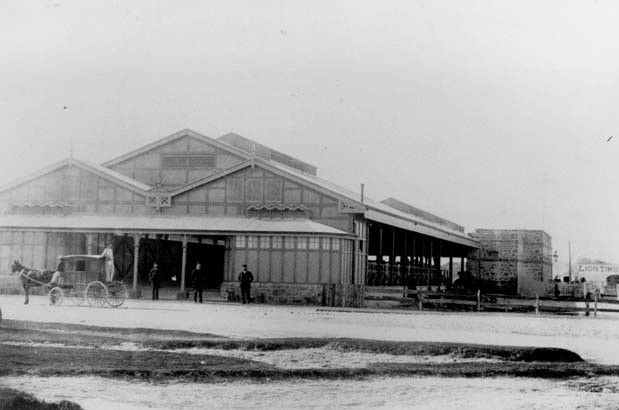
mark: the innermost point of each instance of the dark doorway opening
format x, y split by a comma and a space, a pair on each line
212, 259
169, 255
123, 258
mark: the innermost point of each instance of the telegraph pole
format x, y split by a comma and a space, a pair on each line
569, 248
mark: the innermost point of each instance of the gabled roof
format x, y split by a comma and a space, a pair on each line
117, 176
165, 140
409, 209
252, 147
276, 168
380, 212
103, 172
372, 210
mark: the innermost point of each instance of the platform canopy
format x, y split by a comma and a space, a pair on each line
383, 213
167, 224
421, 227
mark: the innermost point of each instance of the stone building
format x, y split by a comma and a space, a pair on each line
223, 202
512, 261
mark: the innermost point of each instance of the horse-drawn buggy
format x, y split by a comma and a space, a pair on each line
80, 278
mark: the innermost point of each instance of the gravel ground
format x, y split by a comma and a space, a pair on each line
595, 339
375, 393
326, 358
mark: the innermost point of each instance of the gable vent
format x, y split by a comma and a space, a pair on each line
185, 161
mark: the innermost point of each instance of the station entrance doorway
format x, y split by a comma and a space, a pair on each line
168, 254
211, 257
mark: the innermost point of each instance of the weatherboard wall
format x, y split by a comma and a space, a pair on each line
82, 190
292, 259
153, 167
234, 194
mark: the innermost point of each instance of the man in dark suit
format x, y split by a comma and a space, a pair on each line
197, 279
246, 278
155, 280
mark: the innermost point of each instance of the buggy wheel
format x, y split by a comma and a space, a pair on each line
96, 294
56, 296
116, 293
76, 296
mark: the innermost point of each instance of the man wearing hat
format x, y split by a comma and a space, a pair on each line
246, 278
197, 279
155, 279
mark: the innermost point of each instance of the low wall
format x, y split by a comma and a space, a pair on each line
298, 294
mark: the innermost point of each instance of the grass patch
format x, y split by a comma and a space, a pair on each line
83, 357
509, 353
11, 399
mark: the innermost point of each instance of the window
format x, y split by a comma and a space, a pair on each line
314, 243
28, 237
289, 242
39, 238
80, 266
493, 254
335, 244
264, 242
17, 236
277, 242
252, 241
301, 243
325, 244
240, 241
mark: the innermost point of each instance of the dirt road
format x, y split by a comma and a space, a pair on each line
595, 339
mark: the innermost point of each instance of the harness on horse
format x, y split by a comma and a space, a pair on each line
22, 274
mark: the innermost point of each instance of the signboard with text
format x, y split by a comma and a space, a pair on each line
596, 273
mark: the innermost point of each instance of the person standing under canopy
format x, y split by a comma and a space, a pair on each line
155, 280
246, 278
108, 257
198, 279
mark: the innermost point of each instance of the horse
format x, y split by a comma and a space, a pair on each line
31, 278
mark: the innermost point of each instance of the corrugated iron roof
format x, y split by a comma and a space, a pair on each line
169, 138
97, 169
248, 145
165, 224
409, 209
117, 175
395, 217
450, 236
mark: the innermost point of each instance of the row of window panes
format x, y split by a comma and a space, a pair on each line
21, 237
289, 242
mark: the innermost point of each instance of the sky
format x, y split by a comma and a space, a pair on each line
493, 114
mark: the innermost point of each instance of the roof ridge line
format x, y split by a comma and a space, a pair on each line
164, 140
100, 170
36, 174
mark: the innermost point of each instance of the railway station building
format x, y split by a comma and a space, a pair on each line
226, 202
